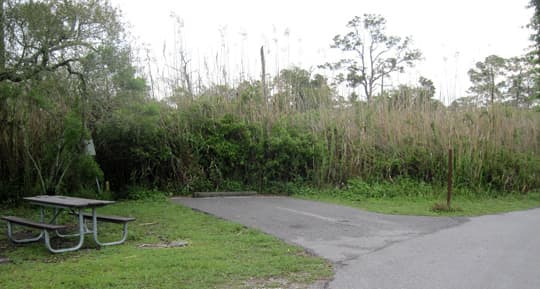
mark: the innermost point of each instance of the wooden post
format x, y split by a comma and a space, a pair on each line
450, 174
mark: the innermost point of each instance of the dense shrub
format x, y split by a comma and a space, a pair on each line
202, 145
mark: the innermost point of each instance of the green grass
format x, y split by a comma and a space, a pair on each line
422, 206
220, 254
406, 197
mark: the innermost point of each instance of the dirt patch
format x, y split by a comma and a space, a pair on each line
281, 283
172, 244
4, 260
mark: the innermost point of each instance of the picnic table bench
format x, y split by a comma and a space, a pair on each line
109, 218
32, 224
74, 206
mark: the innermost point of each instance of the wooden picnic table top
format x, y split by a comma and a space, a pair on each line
66, 201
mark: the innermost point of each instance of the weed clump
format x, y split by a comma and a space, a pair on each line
444, 208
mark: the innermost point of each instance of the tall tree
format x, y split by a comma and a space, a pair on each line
2, 41
487, 78
44, 36
419, 96
372, 54
59, 56
297, 88
520, 81
535, 53
504, 80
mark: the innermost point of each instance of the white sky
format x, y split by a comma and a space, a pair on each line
453, 35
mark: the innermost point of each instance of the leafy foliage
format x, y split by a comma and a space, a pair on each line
374, 55
186, 151
297, 89
41, 36
202, 146
236, 137
535, 38
497, 79
55, 58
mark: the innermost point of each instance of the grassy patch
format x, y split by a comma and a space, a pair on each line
423, 206
406, 198
220, 254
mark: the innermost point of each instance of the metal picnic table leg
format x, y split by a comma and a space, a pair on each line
95, 231
22, 241
56, 213
55, 221
29, 240
76, 247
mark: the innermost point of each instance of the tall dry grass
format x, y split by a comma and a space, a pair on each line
494, 148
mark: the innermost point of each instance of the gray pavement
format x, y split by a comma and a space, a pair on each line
376, 251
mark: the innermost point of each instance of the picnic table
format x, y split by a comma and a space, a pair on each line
74, 206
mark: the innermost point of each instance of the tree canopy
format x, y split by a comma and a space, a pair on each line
60, 60
372, 55
41, 36
535, 38
502, 80
298, 88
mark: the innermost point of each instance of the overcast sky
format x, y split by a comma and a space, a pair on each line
453, 35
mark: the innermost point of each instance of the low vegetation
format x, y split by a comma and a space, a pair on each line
408, 197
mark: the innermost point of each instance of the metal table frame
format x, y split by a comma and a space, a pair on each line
75, 206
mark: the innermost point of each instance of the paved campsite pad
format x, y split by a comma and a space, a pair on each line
339, 234
334, 232
372, 250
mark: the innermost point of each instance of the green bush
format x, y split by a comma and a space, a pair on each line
289, 155
141, 193
205, 145
131, 147
358, 189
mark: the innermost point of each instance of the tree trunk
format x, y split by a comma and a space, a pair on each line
2, 38
263, 75
187, 78
368, 88
382, 84
492, 86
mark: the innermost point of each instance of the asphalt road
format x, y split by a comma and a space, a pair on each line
376, 251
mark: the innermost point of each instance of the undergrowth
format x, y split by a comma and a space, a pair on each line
410, 197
